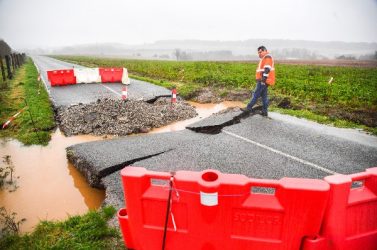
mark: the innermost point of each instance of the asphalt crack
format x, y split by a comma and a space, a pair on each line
154, 99
215, 123
92, 175
115, 168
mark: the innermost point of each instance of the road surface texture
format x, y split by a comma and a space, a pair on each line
258, 147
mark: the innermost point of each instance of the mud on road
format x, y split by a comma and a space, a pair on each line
117, 117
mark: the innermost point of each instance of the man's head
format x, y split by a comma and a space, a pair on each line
262, 51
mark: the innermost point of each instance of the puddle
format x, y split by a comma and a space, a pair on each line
49, 187
203, 110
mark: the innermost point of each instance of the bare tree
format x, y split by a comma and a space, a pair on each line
177, 53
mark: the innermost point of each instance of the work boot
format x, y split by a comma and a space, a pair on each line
246, 111
264, 113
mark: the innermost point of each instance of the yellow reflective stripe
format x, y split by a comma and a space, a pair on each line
262, 70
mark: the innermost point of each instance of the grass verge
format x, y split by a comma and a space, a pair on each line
89, 231
323, 119
33, 126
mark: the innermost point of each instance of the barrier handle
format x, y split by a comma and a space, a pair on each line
360, 176
264, 183
158, 175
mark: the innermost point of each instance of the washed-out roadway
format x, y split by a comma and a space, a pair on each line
258, 147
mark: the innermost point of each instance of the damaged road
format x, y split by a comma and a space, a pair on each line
258, 147
89, 93
215, 123
111, 117
229, 142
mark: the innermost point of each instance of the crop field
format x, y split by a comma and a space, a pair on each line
339, 92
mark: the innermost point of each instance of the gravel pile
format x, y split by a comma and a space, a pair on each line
116, 117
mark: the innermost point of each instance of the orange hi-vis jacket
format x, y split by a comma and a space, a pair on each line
266, 69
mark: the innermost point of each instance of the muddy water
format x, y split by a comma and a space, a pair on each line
203, 110
50, 188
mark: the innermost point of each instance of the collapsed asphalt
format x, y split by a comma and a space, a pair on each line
117, 117
255, 146
231, 150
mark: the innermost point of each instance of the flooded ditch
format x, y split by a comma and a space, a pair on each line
50, 188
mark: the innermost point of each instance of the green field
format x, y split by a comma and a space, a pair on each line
351, 97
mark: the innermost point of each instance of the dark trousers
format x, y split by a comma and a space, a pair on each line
260, 91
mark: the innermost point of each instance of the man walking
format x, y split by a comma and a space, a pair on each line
265, 76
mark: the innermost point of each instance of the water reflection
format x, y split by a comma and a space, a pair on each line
92, 196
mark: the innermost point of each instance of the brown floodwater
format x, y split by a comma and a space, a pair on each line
50, 188
203, 110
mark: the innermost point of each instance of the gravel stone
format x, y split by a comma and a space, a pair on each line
116, 117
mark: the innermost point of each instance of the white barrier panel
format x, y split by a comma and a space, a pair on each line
125, 79
87, 75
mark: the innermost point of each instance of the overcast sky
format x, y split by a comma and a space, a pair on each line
48, 23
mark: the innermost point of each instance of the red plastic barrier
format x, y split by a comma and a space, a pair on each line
123, 221
210, 210
350, 220
111, 74
61, 77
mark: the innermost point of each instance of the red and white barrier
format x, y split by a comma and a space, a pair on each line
61, 77
12, 118
88, 75
125, 79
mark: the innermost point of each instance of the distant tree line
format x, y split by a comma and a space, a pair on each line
181, 55
369, 56
9, 60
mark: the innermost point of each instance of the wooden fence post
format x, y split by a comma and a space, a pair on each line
7, 61
2, 68
18, 60
13, 62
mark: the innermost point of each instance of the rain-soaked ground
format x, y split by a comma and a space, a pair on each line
50, 188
